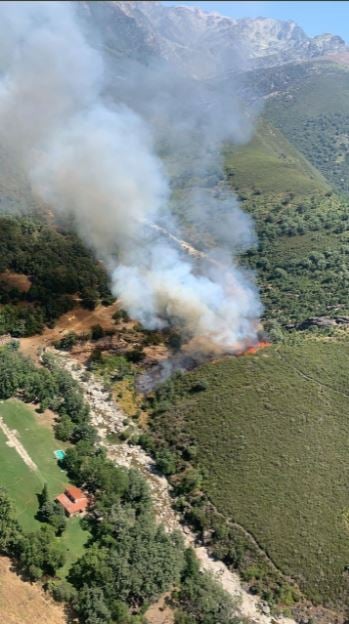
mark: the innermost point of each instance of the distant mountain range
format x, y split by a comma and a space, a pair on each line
204, 44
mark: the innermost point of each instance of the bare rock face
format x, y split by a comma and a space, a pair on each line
327, 44
322, 322
200, 44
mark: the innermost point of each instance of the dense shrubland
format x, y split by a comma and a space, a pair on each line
301, 263
323, 139
311, 109
176, 452
246, 451
59, 267
51, 387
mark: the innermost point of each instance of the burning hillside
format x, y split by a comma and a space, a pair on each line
96, 160
251, 350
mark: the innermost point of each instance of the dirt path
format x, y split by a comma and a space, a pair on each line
108, 418
13, 442
160, 612
319, 383
78, 320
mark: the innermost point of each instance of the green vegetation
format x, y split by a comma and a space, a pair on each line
255, 447
301, 260
112, 367
270, 164
58, 266
122, 559
267, 442
313, 115
74, 541
25, 485
51, 512
302, 227
201, 598
131, 560
51, 387
39, 442
250, 442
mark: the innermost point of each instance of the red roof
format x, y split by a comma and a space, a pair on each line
74, 493
71, 507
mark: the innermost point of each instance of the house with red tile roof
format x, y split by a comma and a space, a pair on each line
74, 501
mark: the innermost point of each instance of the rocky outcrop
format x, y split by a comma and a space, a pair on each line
321, 322
200, 44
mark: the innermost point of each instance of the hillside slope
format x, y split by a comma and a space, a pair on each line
302, 228
268, 433
270, 164
311, 109
22, 602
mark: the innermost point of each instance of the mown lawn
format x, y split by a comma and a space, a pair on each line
272, 432
74, 539
23, 484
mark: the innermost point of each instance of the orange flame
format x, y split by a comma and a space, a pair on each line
262, 344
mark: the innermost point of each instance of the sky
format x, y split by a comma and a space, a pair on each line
315, 17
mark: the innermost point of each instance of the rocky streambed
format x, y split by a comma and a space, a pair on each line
108, 418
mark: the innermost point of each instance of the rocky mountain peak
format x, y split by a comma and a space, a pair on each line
206, 44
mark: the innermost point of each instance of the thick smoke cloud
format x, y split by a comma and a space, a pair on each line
89, 136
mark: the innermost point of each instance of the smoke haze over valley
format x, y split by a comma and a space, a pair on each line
90, 143
174, 313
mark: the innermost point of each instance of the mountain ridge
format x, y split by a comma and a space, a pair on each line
207, 43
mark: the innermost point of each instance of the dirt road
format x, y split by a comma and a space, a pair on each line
13, 442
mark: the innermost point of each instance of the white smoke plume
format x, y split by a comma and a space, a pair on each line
89, 139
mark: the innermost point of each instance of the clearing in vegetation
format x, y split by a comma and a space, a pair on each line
23, 484
271, 432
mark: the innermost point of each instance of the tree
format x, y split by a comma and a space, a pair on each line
64, 428
89, 298
97, 332
40, 551
10, 533
200, 599
91, 606
51, 512
166, 462
137, 492
133, 558
43, 497
62, 591
58, 520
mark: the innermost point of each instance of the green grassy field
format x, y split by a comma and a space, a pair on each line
272, 433
270, 164
24, 484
